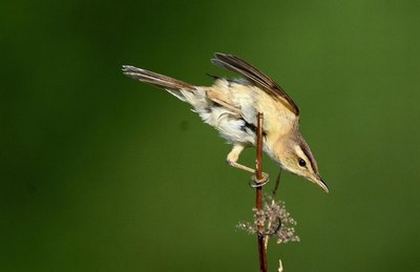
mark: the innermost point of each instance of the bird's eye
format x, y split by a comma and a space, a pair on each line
302, 163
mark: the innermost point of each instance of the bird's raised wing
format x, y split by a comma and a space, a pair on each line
251, 73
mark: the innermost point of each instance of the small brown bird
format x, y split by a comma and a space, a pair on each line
231, 106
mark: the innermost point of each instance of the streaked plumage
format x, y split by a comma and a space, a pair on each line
231, 106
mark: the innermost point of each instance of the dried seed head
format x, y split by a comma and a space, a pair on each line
276, 220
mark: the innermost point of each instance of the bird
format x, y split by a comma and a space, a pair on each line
231, 107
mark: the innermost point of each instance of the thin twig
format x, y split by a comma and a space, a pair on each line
273, 193
276, 186
280, 266
262, 252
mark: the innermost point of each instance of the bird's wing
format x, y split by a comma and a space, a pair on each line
251, 73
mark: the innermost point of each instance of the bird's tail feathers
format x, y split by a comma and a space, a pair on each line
156, 79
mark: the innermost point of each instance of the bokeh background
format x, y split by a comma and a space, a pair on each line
102, 173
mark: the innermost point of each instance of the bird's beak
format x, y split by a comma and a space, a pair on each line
321, 183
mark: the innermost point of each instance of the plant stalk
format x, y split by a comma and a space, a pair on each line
262, 252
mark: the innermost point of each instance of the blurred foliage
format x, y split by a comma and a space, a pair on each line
101, 173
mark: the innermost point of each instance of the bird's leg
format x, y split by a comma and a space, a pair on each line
233, 157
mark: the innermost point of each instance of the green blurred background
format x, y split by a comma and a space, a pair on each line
101, 173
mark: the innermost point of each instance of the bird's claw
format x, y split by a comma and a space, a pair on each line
256, 183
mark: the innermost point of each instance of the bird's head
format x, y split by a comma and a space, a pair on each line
295, 156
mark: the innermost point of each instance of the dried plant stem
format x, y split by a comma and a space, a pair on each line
277, 184
262, 252
276, 187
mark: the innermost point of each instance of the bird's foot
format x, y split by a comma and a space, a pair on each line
256, 183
